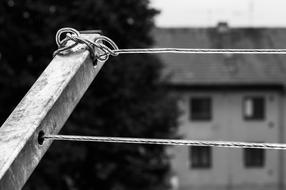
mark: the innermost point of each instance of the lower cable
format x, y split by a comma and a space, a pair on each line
174, 142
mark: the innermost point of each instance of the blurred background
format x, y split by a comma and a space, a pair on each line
199, 97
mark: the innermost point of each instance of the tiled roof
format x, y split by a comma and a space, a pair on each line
188, 69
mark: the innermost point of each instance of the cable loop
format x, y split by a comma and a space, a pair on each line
110, 42
74, 35
59, 33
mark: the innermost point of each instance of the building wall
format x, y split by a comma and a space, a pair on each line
228, 170
283, 140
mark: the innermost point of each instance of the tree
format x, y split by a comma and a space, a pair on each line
126, 99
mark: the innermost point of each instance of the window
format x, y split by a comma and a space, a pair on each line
254, 108
200, 109
254, 158
200, 157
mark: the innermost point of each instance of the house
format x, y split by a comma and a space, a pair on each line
227, 97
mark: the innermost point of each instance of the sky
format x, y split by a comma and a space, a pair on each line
204, 13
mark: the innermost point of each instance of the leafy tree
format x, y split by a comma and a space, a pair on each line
126, 99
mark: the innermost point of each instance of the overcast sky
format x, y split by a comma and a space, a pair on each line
184, 13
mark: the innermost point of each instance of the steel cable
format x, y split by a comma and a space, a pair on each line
106, 51
174, 142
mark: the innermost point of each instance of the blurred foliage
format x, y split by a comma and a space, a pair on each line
126, 99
